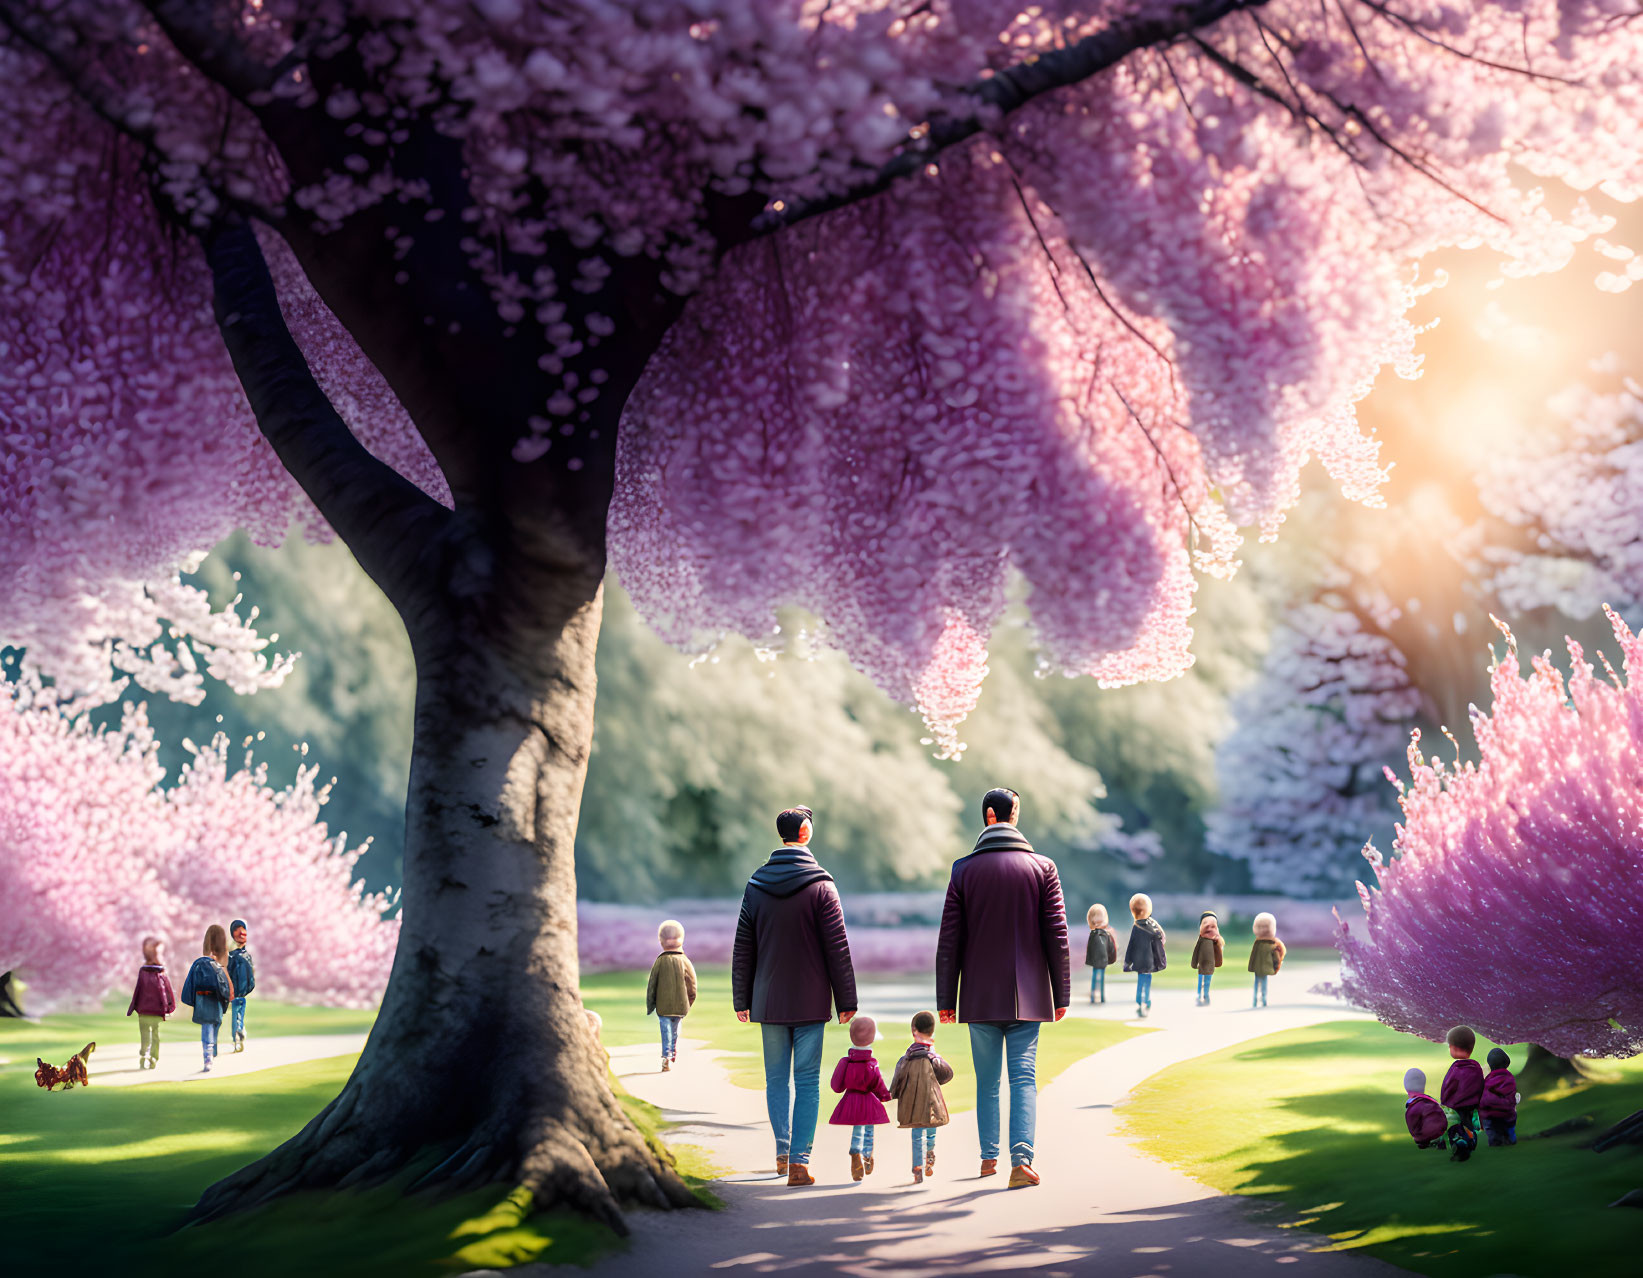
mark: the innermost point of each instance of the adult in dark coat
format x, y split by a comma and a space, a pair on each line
790, 968
1003, 968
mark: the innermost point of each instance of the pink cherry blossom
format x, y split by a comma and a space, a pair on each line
1517, 884
97, 852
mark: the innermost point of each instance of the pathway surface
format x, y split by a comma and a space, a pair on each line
1104, 1207
115, 1064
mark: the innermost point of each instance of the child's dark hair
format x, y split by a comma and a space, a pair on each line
1463, 1038
924, 1023
1498, 1059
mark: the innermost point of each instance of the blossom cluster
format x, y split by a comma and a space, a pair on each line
1575, 490
97, 852
1300, 774
1084, 346
1541, 838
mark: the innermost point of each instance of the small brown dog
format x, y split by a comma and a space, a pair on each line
49, 1076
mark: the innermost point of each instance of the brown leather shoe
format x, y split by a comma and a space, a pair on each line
930, 1163
799, 1174
781, 1164
918, 1175
1022, 1176
855, 1165
867, 1163
989, 1166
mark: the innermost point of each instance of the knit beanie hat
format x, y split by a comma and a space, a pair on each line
1207, 914
1414, 1080
1498, 1059
235, 926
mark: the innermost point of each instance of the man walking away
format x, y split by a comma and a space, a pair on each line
790, 967
1002, 967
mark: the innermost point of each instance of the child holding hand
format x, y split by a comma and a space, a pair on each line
862, 1106
916, 1086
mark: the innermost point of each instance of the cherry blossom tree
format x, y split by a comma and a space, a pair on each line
1068, 292
1300, 773
96, 853
1541, 838
1574, 492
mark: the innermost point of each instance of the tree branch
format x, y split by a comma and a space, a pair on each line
1006, 91
385, 519
203, 32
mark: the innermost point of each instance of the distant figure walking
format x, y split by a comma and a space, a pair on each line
1002, 967
789, 968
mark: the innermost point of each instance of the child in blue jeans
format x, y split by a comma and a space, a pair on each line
671, 991
1145, 952
916, 1087
208, 990
242, 975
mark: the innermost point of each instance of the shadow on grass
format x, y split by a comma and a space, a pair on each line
1309, 1125
109, 1176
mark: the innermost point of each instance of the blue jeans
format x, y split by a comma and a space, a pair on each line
1143, 989
861, 1139
237, 1027
796, 1051
1203, 984
1098, 982
924, 1143
1499, 1131
208, 1038
992, 1049
1260, 991
670, 1034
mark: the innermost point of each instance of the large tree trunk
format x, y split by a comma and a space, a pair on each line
481, 1067
9, 1005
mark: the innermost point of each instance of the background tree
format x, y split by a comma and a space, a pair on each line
1068, 297
1542, 833
96, 854
1300, 775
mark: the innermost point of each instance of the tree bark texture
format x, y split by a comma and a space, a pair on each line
481, 1067
482, 1050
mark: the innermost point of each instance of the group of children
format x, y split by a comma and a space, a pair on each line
915, 1084
1145, 955
219, 981
1468, 1097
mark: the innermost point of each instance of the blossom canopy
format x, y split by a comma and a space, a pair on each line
1093, 326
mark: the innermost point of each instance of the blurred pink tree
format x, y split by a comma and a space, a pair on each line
1069, 292
96, 853
1518, 879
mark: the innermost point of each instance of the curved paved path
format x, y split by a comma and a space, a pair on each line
1104, 1207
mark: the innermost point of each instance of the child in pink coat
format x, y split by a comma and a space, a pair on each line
862, 1106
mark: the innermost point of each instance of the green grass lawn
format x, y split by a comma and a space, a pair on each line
619, 998
102, 1178
1311, 1122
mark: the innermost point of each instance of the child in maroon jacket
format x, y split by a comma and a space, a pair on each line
152, 1000
1421, 1114
1498, 1108
1463, 1084
865, 1092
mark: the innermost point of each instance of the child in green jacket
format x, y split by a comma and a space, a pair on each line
672, 988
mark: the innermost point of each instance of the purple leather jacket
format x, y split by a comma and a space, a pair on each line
791, 962
1003, 954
